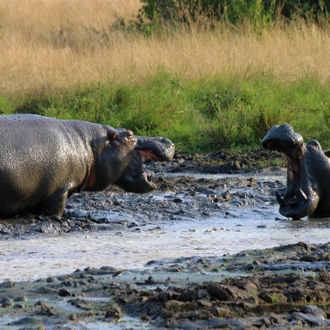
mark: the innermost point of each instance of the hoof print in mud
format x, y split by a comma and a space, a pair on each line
44, 161
308, 174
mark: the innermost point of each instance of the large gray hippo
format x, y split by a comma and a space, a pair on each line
43, 161
308, 174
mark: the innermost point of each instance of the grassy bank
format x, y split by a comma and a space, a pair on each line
206, 89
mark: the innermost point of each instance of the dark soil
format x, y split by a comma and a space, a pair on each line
287, 287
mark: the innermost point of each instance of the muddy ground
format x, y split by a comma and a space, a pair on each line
80, 209
287, 287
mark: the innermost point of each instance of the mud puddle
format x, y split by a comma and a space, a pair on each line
204, 221
30, 258
206, 250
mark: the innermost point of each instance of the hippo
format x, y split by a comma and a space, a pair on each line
43, 161
308, 174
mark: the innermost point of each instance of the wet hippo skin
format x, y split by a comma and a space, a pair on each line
43, 161
308, 174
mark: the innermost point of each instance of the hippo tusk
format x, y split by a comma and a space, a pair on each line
280, 200
303, 194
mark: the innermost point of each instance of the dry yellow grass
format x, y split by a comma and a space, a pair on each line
51, 44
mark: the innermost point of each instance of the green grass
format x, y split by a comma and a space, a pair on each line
198, 116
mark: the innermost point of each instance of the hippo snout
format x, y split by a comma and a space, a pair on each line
308, 174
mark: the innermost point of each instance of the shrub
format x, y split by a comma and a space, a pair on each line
232, 11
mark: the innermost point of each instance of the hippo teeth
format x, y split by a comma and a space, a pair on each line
289, 200
280, 200
293, 200
303, 194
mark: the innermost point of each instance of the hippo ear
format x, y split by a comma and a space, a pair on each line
112, 133
98, 144
327, 153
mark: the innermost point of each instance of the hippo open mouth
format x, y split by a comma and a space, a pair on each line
136, 179
307, 168
157, 148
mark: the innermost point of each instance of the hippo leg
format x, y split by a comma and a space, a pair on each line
55, 204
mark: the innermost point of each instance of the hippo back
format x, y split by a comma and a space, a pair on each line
40, 157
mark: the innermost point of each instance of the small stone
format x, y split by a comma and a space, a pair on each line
309, 318
68, 283
111, 314
7, 285
20, 298
18, 306
313, 309
64, 292
5, 303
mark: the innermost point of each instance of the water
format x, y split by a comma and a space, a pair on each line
252, 227
244, 227
41, 256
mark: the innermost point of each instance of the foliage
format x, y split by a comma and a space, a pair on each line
209, 74
199, 116
233, 11
5, 106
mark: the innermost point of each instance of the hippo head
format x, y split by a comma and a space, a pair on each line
121, 162
308, 174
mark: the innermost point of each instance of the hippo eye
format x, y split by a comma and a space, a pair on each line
115, 136
314, 144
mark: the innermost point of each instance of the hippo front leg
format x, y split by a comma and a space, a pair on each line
55, 204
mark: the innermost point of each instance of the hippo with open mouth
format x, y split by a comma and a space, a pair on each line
308, 174
43, 161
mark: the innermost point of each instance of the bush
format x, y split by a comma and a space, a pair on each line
232, 11
5, 106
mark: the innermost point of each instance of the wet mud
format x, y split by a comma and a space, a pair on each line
191, 194
283, 287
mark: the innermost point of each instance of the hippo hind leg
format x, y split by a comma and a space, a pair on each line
55, 204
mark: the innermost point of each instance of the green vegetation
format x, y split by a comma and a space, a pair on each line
199, 116
233, 11
207, 74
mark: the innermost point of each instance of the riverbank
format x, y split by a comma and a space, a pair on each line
285, 287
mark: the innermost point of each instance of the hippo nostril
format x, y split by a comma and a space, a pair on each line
129, 134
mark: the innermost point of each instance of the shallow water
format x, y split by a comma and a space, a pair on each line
242, 223
42, 256
252, 227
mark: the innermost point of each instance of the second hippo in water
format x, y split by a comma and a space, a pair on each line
43, 161
308, 174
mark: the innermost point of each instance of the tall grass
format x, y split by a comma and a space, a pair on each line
204, 88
